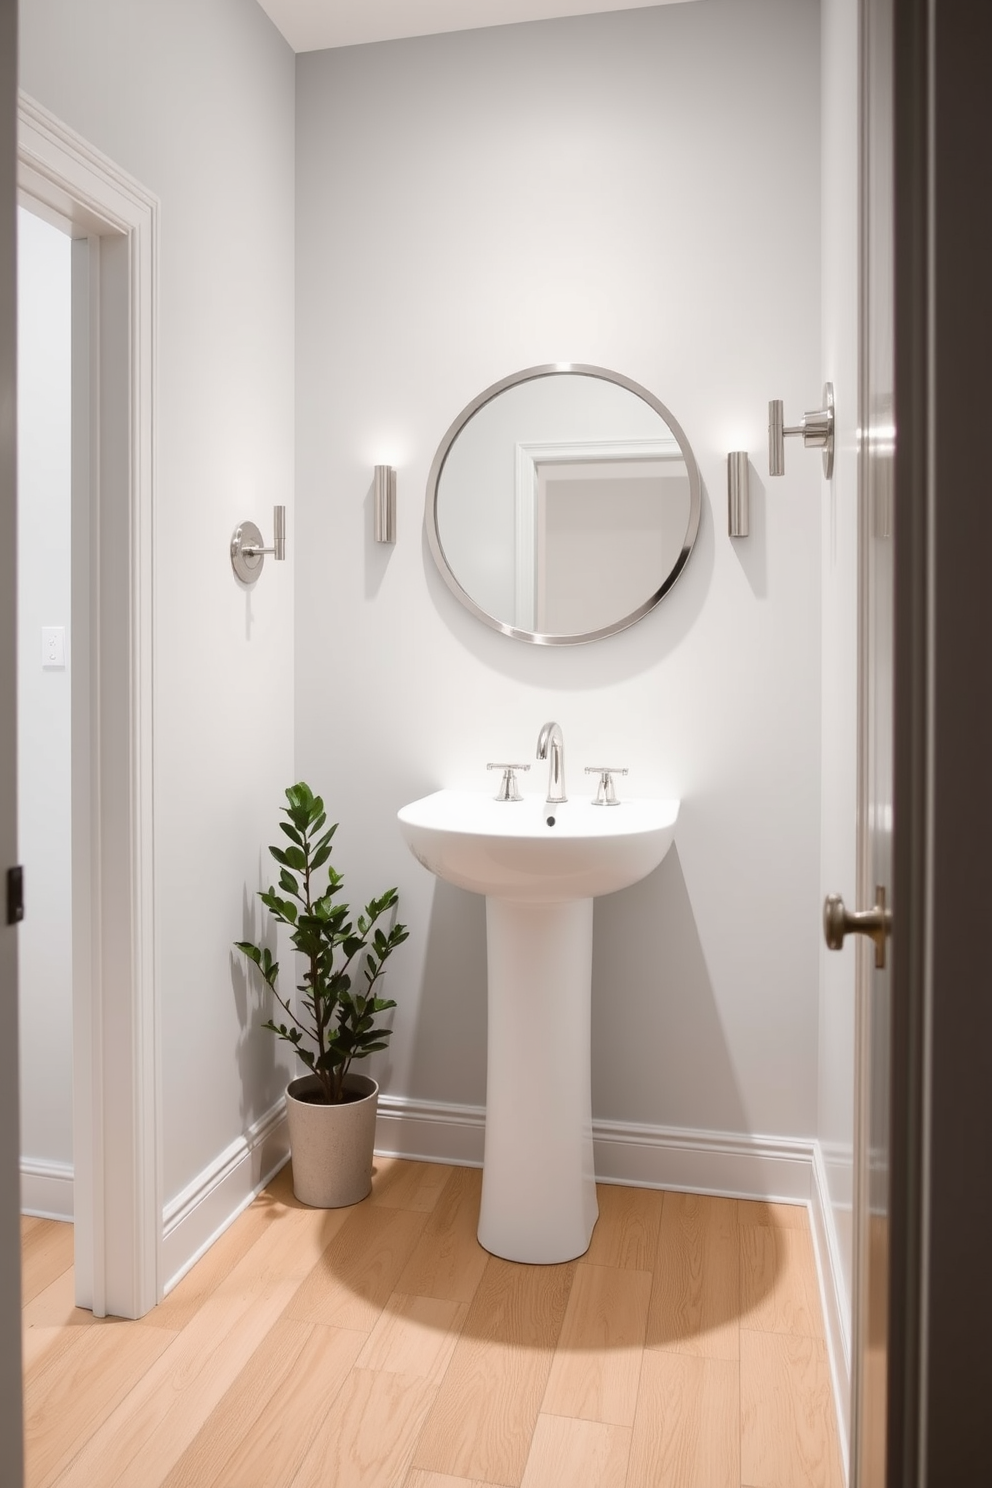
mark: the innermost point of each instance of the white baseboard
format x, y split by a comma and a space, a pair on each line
194, 1219
46, 1189
833, 1297
641, 1156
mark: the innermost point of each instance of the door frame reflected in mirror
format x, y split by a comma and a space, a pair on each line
530, 374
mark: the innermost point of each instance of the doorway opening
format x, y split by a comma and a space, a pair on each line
112, 223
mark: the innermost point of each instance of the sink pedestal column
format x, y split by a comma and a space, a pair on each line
538, 1184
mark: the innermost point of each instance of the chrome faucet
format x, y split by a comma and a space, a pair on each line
550, 735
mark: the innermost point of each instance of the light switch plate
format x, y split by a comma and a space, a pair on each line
53, 647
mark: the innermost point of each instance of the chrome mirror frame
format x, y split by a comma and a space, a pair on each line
531, 374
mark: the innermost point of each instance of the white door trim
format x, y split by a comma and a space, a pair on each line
528, 456
117, 1091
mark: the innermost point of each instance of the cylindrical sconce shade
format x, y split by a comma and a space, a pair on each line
776, 438
738, 502
384, 495
279, 532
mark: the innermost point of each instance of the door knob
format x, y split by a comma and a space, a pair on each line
838, 922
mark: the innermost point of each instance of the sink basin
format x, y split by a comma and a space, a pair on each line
506, 848
538, 1180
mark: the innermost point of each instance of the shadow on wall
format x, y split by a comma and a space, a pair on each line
261, 1072
656, 1029
452, 999
752, 551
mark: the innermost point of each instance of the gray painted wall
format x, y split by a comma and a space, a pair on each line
640, 191
197, 102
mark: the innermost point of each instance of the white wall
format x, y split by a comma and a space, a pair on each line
43, 718
839, 549
196, 100
639, 191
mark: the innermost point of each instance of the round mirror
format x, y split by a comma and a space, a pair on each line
562, 504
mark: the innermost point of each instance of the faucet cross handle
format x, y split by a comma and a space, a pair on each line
606, 791
508, 785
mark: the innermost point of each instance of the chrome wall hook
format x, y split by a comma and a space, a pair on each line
247, 551
817, 430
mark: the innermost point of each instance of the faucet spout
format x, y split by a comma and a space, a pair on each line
551, 746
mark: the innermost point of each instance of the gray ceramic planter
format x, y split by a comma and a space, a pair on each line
332, 1145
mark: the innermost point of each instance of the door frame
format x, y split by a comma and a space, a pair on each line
116, 1081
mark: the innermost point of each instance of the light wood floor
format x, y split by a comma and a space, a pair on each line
381, 1347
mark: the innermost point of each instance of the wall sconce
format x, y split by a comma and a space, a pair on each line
738, 496
817, 429
247, 552
384, 492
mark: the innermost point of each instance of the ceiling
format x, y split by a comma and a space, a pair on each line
311, 25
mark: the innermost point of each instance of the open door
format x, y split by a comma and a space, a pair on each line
872, 918
923, 1205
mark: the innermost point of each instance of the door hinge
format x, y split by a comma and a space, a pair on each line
15, 895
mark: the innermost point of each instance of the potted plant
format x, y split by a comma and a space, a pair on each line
331, 1111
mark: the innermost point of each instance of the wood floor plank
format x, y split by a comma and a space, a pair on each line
400, 1184
298, 1353
259, 1433
414, 1336
367, 1436
483, 1419
77, 1388
581, 1454
46, 1253
144, 1437
418, 1478
274, 1207
779, 1291
358, 1271
597, 1363
55, 1306
695, 1299
687, 1427
788, 1425
773, 1216
626, 1232
449, 1261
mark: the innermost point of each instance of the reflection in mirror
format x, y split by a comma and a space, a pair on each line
562, 504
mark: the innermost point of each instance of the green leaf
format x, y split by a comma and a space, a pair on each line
300, 796
251, 951
291, 833
289, 883
319, 858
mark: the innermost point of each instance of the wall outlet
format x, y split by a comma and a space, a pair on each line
53, 647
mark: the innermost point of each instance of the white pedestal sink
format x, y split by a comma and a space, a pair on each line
538, 1185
